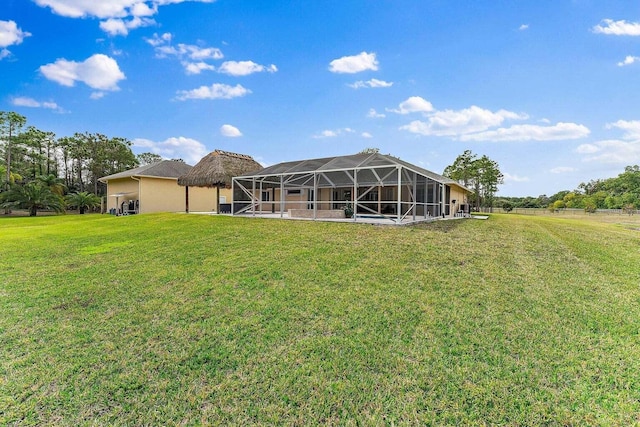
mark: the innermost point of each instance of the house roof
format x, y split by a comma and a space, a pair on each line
162, 169
218, 168
359, 161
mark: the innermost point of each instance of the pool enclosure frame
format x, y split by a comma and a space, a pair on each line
373, 185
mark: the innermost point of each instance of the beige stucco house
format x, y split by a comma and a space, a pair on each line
153, 188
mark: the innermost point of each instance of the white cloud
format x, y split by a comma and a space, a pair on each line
623, 151
366, 135
98, 72
182, 50
89, 8
374, 114
200, 53
114, 27
230, 131
26, 102
143, 9
190, 150
158, 40
197, 67
354, 64
10, 35
121, 27
461, 122
628, 60
333, 133
631, 128
97, 95
373, 83
617, 28
111, 11
587, 149
23, 101
479, 124
562, 169
514, 178
523, 27
612, 151
414, 104
191, 57
326, 134
215, 91
559, 131
244, 68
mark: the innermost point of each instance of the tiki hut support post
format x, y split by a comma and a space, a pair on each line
186, 199
218, 199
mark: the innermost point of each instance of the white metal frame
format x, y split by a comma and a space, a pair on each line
406, 178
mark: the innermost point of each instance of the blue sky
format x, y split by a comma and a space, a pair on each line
548, 89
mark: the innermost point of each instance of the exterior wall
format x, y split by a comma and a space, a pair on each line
292, 201
124, 185
203, 199
161, 195
325, 199
460, 197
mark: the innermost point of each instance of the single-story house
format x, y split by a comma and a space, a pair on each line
372, 185
215, 171
149, 188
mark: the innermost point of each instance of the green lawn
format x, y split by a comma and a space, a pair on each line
188, 320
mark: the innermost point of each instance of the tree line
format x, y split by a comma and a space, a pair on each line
621, 192
79, 160
36, 163
479, 174
482, 175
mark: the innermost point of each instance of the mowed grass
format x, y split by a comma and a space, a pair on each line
174, 319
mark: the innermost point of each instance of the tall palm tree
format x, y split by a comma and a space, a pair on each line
33, 197
13, 177
83, 201
53, 182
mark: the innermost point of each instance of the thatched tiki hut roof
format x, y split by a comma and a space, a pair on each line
217, 169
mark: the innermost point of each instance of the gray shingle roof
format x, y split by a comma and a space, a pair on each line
355, 161
162, 169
